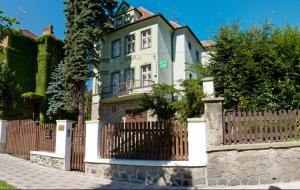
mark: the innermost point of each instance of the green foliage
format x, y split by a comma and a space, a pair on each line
50, 53
161, 102
190, 103
87, 23
166, 102
9, 92
5, 26
20, 55
257, 69
31, 96
59, 101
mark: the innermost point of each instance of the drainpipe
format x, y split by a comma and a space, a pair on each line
172, 60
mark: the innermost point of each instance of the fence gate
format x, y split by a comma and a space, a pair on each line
78, 148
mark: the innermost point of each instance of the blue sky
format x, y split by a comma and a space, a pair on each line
203, 16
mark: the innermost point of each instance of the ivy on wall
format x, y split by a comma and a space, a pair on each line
50, 53
32, 61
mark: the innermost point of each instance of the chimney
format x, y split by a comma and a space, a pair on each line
48, 30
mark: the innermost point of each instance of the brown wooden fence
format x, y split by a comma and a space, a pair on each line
260, 127
144, 141
24, 136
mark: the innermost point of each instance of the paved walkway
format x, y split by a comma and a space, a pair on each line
24, 175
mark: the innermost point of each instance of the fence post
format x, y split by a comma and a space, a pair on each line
92, 140
197, 141
64, 141
213, 108
3, 127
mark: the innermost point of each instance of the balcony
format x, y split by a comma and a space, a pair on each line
127, 88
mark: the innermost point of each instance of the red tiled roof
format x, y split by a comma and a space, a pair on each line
208, 43
29, 34
146, 13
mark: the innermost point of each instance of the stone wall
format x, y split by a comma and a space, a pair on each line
57, 163
252, 167
177, 176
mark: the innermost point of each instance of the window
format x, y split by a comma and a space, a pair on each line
146, 39
113, 109
127, 18
130, 43
190, 46
129, 78
116, 48
191, 76
115, 82
119, 21
146, 75
197, 56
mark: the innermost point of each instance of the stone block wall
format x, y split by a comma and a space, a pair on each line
253, 167
177, 176
52, 162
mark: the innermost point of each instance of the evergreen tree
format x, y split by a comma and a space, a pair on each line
87, 23
59, 99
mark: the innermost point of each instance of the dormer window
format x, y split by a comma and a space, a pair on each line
119, 21
127, 18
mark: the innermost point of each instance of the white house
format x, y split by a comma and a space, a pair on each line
142, 50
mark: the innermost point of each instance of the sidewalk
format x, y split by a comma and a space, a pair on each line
24, 175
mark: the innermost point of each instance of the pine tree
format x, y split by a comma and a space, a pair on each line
87, 23
59, 100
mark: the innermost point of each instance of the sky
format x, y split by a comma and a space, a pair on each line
203, 16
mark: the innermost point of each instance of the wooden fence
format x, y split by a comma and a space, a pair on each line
144, 141
24, 136
260, 127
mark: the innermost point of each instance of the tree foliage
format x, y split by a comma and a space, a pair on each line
5, 26
59, 99
9, 92
87, 23
257, 69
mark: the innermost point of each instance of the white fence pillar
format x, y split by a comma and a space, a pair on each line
3, 127
92, 140
197, 141
64, 141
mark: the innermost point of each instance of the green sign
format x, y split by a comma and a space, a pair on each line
163, 64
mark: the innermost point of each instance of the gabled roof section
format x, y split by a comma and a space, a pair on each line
123, 7
29, 34
144, 12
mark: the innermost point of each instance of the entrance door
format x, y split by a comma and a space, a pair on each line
78, 148
115, 83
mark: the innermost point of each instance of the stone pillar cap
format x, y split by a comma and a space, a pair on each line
213, 99
205, 79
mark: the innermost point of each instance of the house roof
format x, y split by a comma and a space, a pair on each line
208, 43
29, 34
146, 14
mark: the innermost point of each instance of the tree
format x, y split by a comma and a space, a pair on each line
5, 26
161, 102
9, 91
258, 68
87, 23
59, 99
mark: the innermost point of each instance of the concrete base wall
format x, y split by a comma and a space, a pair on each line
177, 176
52, 162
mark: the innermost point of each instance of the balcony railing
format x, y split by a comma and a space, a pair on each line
125, 88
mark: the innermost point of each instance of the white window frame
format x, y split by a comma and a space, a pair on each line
130, 44
147, 73
147, 38
119, 21
113, 48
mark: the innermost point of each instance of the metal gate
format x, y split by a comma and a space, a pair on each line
78, 148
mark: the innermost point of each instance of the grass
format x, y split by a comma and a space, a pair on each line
4, 185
